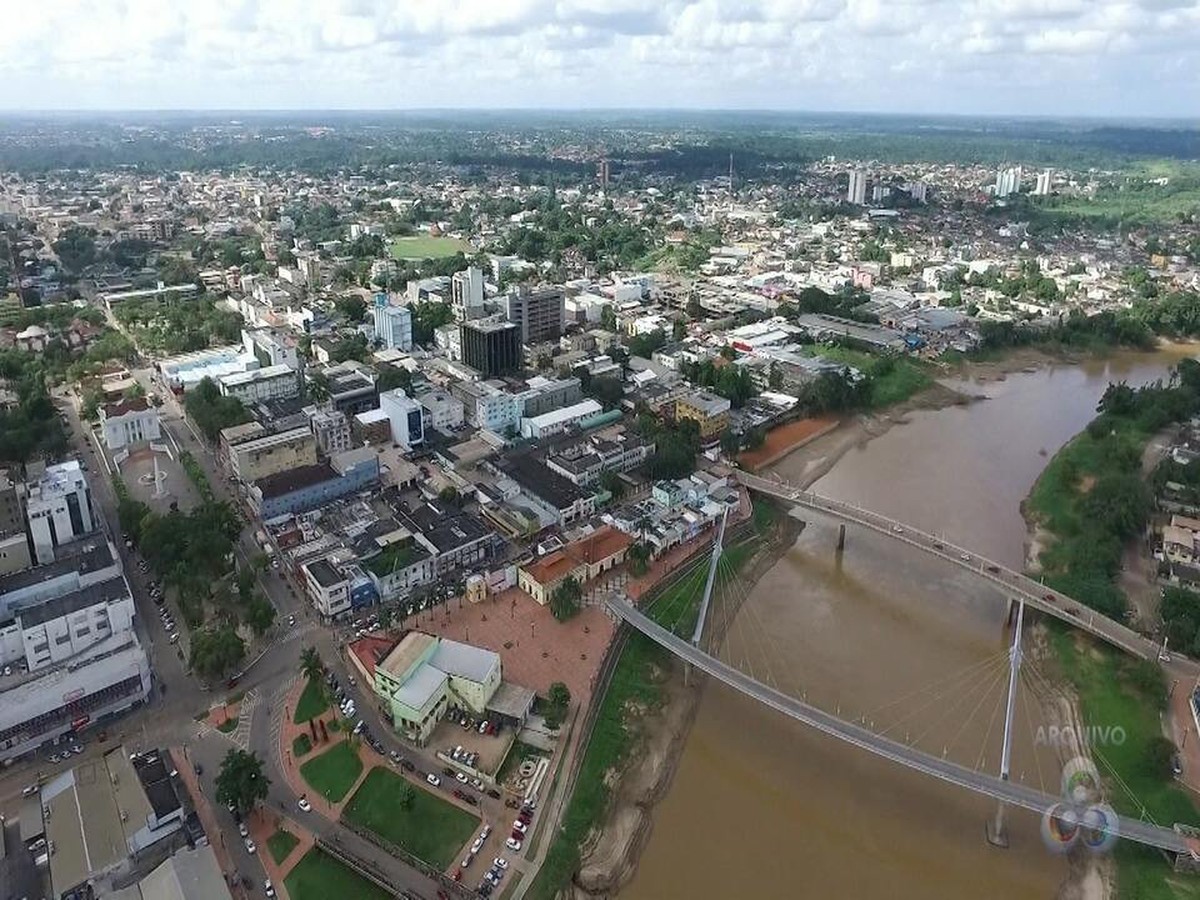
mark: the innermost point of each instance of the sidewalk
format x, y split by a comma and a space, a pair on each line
263, 825
208, 818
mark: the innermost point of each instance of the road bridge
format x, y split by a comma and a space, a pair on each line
1015, 584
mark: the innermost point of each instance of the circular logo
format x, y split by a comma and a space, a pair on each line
1060, 827
1098, 827
1080, 781
1081, 817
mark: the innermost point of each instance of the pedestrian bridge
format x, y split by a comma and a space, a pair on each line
1015, 584
1005, 791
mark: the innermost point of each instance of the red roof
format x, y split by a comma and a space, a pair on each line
121, 407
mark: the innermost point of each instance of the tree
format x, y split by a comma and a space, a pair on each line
730, 442
1160, 756
639, 558
242, 783
259, 614
774, 376
352, 309
76, 248
559, 695
607, 389
564, 601
407, 796
608, 318
216, 651
678, 330
611, 481
448, 496
392, 377
316, 386
386, 615
311, 665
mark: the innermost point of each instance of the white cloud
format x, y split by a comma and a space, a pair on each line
881, 54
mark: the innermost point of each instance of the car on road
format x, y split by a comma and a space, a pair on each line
243, 829
268, 888
897, 529
477, 784
251, 847
304, 805
29, 790
513, 844
995, 570
433, 779
291, 621
965, 557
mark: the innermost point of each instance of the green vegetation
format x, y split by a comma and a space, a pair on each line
1115, 690
334, 772
312, 701
301, 746
635, 682
228, 725
394, 558
675, 446
558, 698
216, 651
241, 783
564, 600
168, 327
319, 876
428, 827
428, 316
281, 844
211, 411
727, 380
426, 247
889, 379
1091, 496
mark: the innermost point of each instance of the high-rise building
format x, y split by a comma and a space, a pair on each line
14, 548
603, 173
406, 416
1008, 181
393, 324
59, 509
1044, 181
492, 346
917, 190
857, 191
466, 294
539, 313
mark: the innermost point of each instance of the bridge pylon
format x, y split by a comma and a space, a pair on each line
698, 631
996, 832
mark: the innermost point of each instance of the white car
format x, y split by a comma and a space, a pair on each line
304, 805
433, 779
475, 847
251, 847
461, 778
29, 791
243, 830
520, 826
268, 888
500, 862
513, 844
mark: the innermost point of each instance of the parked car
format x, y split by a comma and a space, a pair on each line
500, 862
461, 778
268, 888
433, 779
251, 847
513, 844
520, 826
477, 845
304, 805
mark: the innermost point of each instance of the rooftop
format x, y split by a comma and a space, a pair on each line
551, 568
324, 573
124, 407
537, 479
282, 483
406, 654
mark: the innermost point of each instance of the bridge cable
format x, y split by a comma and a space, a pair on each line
734, 588
982, 758
968, 686
966, 672
1037, 762
988, 684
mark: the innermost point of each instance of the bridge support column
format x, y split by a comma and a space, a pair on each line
698, 631
841, 544
996, 834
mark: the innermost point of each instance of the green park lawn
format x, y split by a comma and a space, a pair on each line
430, 829
312, 702
281, 844
319, 876
334, 772
424, 246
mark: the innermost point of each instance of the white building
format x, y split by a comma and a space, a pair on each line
466, 294
393, 324
271, 347
497, 410
59, 509
272, 383
856, 193
1008, 181
557, 421
129, 422
445, 412
1044, 182
406, 416
328, 588
331, 429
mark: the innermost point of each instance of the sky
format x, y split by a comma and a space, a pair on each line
1007, 57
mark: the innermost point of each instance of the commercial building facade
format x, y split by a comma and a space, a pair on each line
129, 422
272, 454
279, 382
707, 410
308, 487
406, 416
393, 324
59, 508
537, 312
491, 346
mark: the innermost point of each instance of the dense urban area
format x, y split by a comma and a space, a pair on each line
334, 448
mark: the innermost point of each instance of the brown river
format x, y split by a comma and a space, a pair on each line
763, 807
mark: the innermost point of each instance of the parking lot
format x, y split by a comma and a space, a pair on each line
491, 747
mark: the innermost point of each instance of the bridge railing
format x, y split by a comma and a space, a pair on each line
1033, 592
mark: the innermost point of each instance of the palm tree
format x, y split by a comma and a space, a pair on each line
311, 666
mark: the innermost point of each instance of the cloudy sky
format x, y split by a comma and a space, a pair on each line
1063, 57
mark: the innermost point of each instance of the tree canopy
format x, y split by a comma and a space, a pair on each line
242, 782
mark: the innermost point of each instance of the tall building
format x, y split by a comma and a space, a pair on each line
1044, 180
603, 173
393, 324
14, 546
492, 346
406, 416
539, 313
1008, 181
59, 509
466, 294
857, 191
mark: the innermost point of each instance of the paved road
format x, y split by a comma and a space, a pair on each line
979, 782
1016, 584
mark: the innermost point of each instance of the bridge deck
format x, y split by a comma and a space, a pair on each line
1034, 593
858, 736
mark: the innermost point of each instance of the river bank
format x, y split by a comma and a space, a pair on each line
658, 730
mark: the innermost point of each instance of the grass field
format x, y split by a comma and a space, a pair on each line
319, 876
424, 246
312, 702
430, 829
632, 684
334, 772
906, 377
301, 746
281, 844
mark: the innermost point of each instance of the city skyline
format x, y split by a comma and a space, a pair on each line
992, 57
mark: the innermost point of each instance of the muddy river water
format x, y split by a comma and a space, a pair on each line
763, 807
